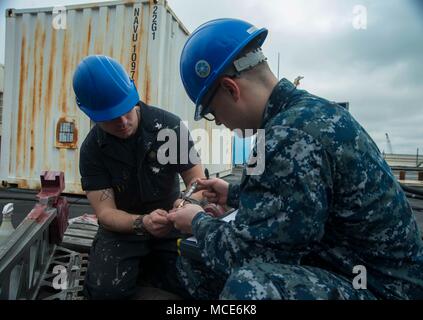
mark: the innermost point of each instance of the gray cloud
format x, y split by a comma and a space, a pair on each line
378, 70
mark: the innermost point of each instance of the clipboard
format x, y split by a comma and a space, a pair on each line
188, 247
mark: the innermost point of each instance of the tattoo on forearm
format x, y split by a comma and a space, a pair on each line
106, 194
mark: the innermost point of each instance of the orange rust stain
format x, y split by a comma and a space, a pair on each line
65, 68
38, 109
87, 43
98, 44
74, 60
36, 85
128, 65
75, 137
147, 72
62, 160
80, 56
147, 85
23, 184
41, 64
108, 20
109, 32
99, 39
20, 127
141, 44
122, 52
49, 94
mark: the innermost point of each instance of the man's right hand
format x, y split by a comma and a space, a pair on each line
216, 190
157, 223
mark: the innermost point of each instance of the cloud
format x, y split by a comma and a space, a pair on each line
379, 70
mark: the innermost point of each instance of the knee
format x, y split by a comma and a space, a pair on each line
99, 286
249, 283
198, 280
108, 292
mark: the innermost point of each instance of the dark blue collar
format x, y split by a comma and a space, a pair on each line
278, 100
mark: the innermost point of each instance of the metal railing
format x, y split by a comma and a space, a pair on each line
24, 258
29, 255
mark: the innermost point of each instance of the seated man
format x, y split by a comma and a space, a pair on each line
128, 187
326, 219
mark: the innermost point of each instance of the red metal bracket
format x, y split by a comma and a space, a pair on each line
52, 185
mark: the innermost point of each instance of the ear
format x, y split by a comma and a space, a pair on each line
230, 86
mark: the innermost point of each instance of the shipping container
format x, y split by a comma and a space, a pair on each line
1, 96
42, 126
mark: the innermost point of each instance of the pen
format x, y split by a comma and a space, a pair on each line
192, 189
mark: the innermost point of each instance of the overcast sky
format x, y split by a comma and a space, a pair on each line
379, 70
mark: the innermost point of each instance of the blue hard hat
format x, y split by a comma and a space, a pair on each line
210, 50
103, 89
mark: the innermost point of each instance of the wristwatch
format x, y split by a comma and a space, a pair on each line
138, 227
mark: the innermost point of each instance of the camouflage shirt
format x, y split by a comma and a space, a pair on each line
326, 196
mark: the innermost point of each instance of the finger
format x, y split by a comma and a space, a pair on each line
209, 194
208, 183
172, 216
161, 212
161, 228
160, 219
194, 180
213, 199
192, 206
202, 187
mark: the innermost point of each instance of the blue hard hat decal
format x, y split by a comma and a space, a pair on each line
252, 30
202, 68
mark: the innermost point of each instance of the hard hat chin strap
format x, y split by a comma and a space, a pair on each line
249, 61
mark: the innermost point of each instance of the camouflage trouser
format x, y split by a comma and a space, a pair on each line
268, 281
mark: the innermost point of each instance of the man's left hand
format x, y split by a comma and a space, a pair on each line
182, 217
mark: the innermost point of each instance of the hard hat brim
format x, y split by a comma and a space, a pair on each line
119, 110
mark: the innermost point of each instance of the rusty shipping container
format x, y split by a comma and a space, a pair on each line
1, 94
42, 126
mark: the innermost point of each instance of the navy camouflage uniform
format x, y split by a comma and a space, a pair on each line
326, 202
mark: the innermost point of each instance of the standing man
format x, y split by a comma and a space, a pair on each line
129, 189
325, 220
